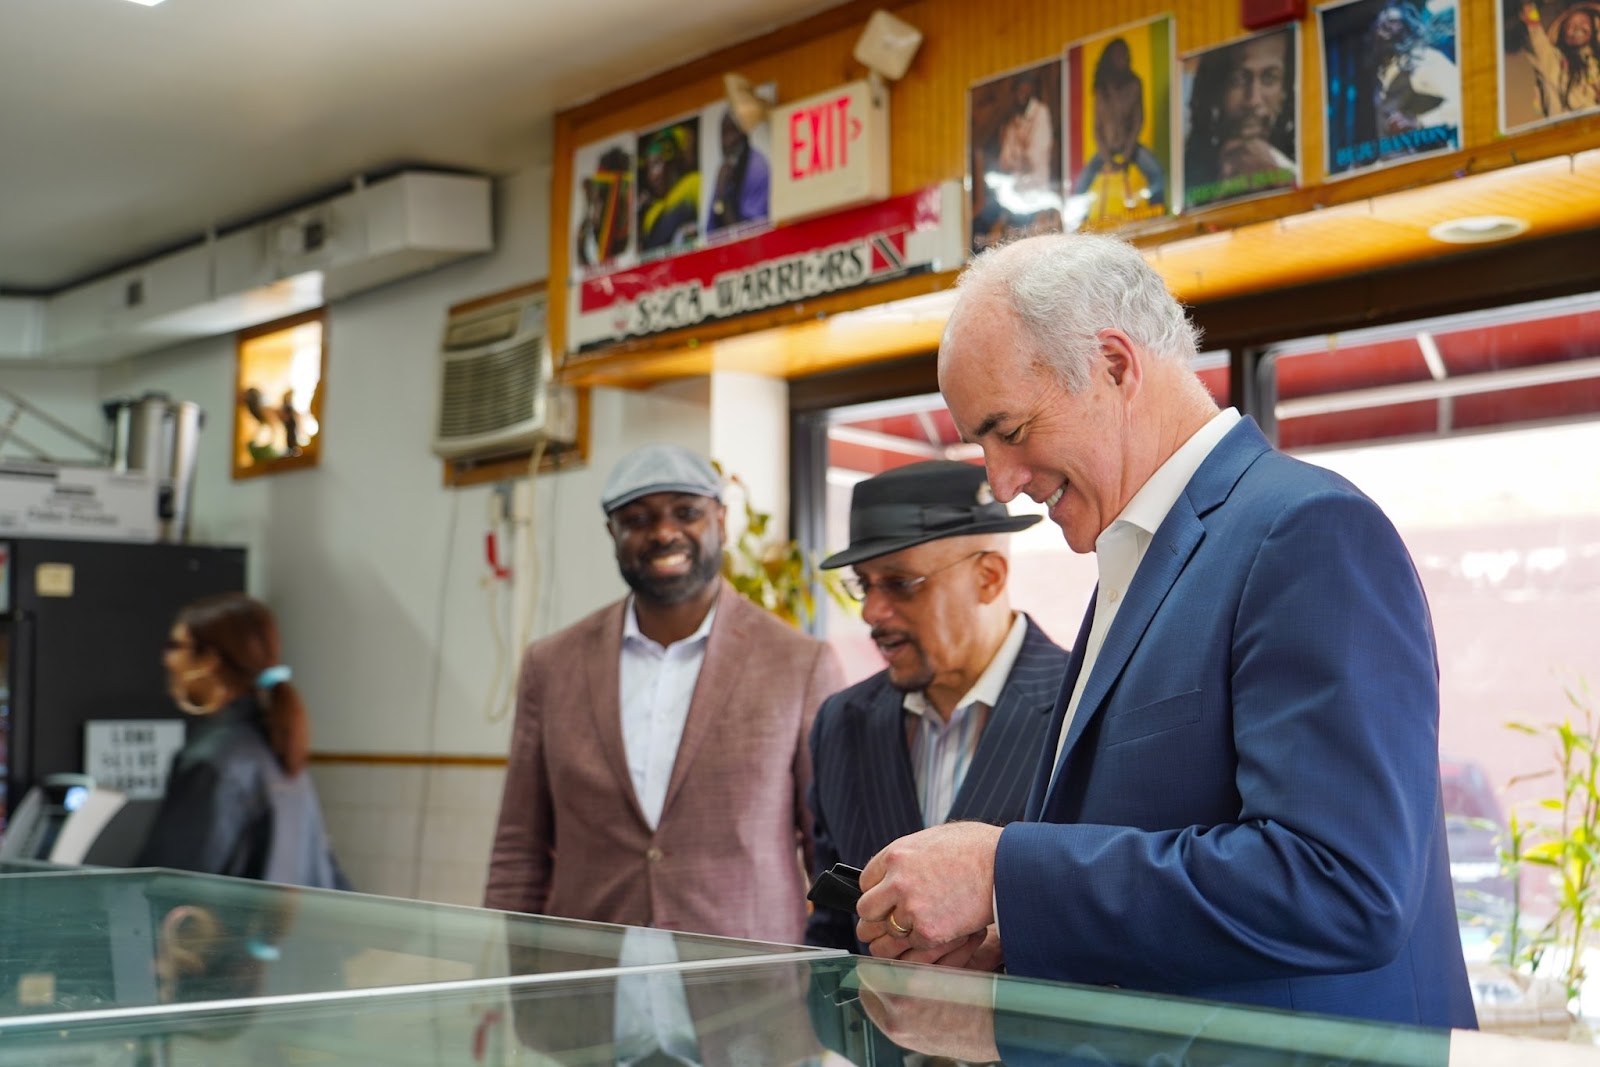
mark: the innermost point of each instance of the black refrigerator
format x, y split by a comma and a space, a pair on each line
82, 626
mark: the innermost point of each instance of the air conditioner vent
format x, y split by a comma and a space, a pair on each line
492, 389
495, 391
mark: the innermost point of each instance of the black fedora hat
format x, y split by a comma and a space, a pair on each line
922, 502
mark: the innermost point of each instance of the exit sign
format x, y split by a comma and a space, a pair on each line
831, 151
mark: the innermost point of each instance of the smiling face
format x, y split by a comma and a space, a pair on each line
1578, 30
1254, 92
1069, 451
669, 545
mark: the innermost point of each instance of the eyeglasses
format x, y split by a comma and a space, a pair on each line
896, 586
172, 644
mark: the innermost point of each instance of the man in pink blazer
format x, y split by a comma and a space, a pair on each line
659, 762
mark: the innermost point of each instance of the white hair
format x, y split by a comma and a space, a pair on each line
1066, 288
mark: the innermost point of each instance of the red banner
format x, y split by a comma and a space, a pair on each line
903, 235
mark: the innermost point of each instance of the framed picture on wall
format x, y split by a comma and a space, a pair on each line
667, 188
1241, 131
1391, 81
1013, 132
278, 394
1549, 61
736, 193
602, 204
1120, 125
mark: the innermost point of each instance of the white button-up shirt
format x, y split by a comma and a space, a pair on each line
656, 686
1121, 547
942, 750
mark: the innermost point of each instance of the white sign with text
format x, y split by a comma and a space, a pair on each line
832, 151
132, 755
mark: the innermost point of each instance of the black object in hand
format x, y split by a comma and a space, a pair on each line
838, 887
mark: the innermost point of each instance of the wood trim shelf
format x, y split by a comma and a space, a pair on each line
406, 759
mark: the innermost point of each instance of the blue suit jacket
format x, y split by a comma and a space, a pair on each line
863, 795
1248, 807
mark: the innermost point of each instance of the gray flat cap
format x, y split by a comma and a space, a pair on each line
659, 469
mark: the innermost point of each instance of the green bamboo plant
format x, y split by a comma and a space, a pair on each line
1561, 837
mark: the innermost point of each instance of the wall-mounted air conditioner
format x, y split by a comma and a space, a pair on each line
496, 396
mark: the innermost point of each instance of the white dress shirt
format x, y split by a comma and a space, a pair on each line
941, 750
1120, 548
657, 684
652, 1008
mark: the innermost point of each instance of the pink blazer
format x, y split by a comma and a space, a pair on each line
726, 856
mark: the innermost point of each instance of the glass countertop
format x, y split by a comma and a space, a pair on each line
83, 943
150, 968
811, 1010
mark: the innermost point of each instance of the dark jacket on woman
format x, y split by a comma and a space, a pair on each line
230, 808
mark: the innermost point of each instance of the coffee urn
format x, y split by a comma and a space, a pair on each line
161, 436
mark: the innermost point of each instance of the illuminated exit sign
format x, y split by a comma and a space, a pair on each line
831, 152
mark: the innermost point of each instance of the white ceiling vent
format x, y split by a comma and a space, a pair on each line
294, 262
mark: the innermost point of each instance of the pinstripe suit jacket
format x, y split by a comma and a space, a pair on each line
863, 795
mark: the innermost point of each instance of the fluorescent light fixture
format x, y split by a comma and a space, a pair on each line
147, 3
1478, 229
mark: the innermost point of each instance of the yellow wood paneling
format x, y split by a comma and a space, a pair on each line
966, 41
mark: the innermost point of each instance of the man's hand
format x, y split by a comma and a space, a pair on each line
931, 890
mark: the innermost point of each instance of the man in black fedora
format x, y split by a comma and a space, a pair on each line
953, 726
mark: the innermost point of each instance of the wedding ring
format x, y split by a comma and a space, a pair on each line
903, 931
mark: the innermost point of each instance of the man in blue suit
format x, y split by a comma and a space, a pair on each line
1240, 798
954, 724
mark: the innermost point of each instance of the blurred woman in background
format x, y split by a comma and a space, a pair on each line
238, 800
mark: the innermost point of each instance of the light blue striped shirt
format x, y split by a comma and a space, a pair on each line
941, 751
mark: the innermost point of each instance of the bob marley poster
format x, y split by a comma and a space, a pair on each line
1014, 127
1392, 82
602, 203
1119, 130
1549, 61
1240, 134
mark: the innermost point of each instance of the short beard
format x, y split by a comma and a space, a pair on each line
677, 589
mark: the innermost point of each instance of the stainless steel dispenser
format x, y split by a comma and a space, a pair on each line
157, 434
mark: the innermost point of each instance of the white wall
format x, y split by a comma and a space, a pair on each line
750, 437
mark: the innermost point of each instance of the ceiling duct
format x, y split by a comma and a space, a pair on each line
293, 262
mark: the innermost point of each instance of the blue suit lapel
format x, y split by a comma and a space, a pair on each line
1170, 550
990, 788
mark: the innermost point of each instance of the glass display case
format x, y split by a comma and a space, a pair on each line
151, 968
